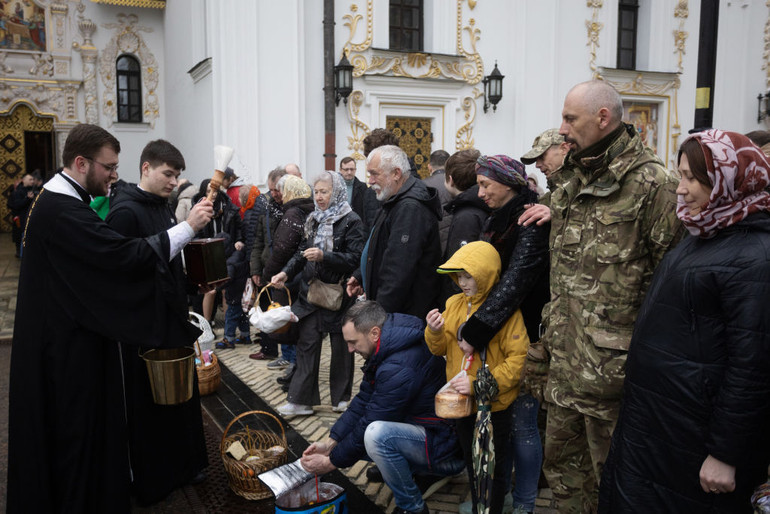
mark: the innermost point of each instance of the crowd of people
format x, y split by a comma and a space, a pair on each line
620, 317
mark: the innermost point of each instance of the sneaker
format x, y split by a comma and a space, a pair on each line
278, 364
243, 340
259, 356
224, 344
293, 409
340, 407
286, 377
467, 507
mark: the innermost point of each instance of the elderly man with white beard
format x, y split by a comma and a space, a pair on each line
400, 259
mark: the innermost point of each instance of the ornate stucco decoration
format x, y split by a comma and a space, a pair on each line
127, 40
57, 98
4, 67
464, 136
467, 66
43, 65
89, 53
681, 12
358, 128
594, 28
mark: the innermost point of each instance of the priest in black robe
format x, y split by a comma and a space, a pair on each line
84, 290
168, 448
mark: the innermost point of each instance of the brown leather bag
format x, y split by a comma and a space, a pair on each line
326, 296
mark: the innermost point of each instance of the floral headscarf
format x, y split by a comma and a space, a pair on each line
740, 173
503, 169
338, 208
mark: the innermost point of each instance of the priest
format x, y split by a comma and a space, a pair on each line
84, 291
167, 445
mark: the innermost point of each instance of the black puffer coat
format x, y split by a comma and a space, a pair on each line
524, 279
469, 213
697, 380
337, 265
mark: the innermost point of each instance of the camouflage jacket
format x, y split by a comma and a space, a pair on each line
609, 230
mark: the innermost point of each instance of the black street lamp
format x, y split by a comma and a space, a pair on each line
343, 80
763, 106
493, 89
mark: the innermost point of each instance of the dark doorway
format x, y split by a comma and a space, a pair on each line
39, 153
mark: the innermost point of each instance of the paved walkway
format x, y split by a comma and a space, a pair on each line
316, 427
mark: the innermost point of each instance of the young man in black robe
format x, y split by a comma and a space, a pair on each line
84, 290
168, 448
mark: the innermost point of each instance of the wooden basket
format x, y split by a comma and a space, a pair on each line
242, 475
274, 305
209, 377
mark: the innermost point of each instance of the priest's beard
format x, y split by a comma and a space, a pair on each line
94, 186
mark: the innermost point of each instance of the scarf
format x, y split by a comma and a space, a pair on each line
253, 194
739, 172
502, 169
338, 208
293, 187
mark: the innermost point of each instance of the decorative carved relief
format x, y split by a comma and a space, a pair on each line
43, 65
358, 128
46, 98
89, 54
468, 67
128, 40
4, 67
59, 17
766, 52
681, 11
594, 28
464, 136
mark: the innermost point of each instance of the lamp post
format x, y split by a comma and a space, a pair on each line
343, 80
763, 106
493, 89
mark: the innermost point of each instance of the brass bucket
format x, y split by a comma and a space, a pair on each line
171, 372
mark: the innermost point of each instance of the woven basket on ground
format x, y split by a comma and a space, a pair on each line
268, 446
209, 376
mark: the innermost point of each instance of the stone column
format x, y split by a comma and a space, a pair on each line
89, 54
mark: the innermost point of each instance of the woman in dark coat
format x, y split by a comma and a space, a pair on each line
693, 429
330, 252
523, 285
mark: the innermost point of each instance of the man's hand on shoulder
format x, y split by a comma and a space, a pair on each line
537, 213
200, 214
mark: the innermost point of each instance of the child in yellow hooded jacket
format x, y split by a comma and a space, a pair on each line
475, 268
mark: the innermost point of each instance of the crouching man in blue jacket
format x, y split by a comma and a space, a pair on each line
391, 421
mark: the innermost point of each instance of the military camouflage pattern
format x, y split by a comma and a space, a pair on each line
573, 470
534, 375
609, 230
542, 143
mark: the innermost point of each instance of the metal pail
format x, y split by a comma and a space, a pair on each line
171, 372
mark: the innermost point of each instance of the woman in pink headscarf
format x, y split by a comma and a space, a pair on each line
693, 429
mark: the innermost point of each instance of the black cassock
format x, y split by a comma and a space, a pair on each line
83, 287
168, 447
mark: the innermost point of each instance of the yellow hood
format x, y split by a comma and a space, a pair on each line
481, 261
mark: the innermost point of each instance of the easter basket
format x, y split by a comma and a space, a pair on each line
209, 377
265, 450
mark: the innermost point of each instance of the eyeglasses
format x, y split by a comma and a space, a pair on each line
112, 168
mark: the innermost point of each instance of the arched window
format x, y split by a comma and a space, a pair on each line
129, 89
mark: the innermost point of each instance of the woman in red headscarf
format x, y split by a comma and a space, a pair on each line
693, 429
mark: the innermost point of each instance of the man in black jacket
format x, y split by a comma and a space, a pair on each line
167, 444
362, 199
19, 202
399, 262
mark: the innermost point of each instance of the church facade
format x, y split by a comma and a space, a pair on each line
255, 75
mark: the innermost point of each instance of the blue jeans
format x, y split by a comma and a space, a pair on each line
234, 317
527, 451
289, 352
398, 449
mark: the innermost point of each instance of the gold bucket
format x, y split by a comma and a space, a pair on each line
171, 372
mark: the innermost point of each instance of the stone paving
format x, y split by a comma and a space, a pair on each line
316, 427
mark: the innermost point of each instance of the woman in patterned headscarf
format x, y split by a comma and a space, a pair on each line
330, 251
523, 285
692, 434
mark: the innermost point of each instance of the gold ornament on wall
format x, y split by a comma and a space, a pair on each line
594, 28
358, 128
127, 40
468, 67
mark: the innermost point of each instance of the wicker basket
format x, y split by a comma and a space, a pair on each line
274, 305
243, 475
209, 376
